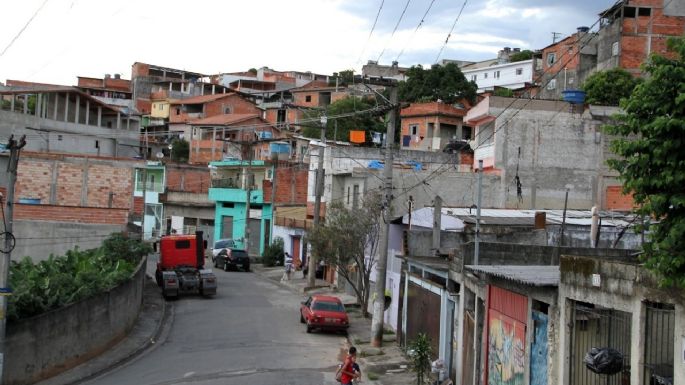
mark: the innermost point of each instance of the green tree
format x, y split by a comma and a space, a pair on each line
609, 87
526, 54
348, 240
344, 77
419, 351
180, 150
446, 83
505, 92
651, 162
368, 122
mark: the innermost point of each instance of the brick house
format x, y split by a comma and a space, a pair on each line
431, 126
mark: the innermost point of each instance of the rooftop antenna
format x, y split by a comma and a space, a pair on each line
555, 36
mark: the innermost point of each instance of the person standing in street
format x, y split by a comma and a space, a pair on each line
347, 370
288, 265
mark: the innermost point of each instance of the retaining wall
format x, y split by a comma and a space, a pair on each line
48, 344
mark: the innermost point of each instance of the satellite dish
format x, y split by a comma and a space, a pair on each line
159, 155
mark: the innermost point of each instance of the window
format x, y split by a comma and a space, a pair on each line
178, 111
474, 78
97, 144
228, 110
182, 244
552, 84
485, 75
614, 49
644, 11
519, 71
355, 197
308, 98
414, 129
59, 138
629, 12
551, 58
495, 74
486, 134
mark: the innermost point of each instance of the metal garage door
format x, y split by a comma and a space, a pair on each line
423, 315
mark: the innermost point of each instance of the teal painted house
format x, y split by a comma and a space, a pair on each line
230, 183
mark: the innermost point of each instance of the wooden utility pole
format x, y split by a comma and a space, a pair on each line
15, 148
318, 188
248, 189
379, 298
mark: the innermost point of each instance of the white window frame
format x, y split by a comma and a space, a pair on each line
551, 58
552, 85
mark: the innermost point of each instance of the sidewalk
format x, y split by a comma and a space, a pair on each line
380, 366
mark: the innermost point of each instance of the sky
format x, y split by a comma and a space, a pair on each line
54, 41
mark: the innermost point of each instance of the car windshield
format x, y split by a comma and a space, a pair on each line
328, 306
224, 243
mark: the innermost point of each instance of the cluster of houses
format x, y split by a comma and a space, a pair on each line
553, 273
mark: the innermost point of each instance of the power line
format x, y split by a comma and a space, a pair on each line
23, 28
451, 30
394, 30
371, 33
423, 18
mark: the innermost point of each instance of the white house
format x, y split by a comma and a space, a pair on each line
509, 75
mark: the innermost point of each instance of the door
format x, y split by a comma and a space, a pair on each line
227, 227
255, 236
467, 348
538, 352
295, 252
423, 316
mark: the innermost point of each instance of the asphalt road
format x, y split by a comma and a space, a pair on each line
249, 333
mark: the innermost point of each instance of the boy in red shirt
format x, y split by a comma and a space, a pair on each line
348, 369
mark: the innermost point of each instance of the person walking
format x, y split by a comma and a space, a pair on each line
288, 265
347, 370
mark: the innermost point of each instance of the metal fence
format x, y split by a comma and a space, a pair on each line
596, 327
659, 335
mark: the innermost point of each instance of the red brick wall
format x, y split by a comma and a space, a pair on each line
616, 200
103, 179
237, 104
187, 179
69, 184
144, 106
139, 69
285, 178
34, 178
300, 98
89, 82
53, 213
138, 205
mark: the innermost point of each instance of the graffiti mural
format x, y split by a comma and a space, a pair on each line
506, 350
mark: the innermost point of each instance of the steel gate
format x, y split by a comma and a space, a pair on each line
596, 327
423, 316
659, 335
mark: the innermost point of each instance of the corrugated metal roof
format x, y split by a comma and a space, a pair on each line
573, 217
527, 275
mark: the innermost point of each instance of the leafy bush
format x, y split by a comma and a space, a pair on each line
609, 87
59, 281
419, 352
273, 254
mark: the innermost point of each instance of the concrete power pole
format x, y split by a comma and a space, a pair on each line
248, 187
14, 148
379, 301
318, 191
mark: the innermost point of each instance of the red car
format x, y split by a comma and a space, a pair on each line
324, 313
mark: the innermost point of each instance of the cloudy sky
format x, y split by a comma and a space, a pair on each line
54, 41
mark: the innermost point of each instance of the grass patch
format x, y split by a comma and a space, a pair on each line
373, 376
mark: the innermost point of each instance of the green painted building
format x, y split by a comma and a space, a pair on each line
230, 183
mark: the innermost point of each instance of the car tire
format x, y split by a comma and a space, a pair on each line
309, 329
247, 269
225, 266
216, 264
301, 319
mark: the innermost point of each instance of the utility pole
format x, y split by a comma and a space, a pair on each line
14, 148
142, 222
476, 250
318, 190
248, 188
273, 196
379, 302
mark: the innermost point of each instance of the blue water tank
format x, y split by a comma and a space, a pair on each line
574, 96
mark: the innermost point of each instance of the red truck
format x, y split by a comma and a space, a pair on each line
181, 266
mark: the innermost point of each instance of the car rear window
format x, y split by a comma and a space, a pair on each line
328, 306
238, 253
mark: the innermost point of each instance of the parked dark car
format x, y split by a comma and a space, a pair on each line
324, 313
232, 259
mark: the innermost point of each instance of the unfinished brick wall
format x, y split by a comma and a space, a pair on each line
34, 178
235, 103
291, 185
54, 213
103, 180
617, 200
194, 180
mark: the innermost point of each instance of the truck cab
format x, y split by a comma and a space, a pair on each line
181, 266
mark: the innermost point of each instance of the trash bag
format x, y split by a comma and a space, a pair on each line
604, 360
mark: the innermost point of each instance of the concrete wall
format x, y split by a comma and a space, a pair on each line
48, 344
60, 136
625, 285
